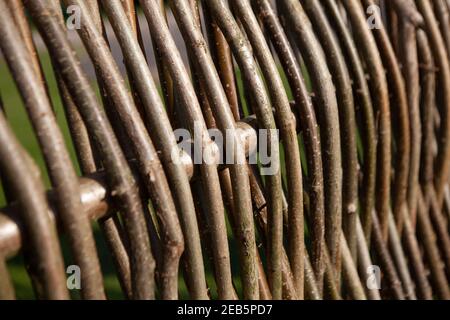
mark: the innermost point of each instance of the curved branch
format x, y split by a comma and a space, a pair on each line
344, 94
60, 168
119, 174
380, 95
29, 193
327, 108
243, 54
305, 111
289, 136
441, 58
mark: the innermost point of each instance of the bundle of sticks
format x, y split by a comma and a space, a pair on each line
355, 92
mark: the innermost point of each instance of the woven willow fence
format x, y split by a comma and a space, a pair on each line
358, 206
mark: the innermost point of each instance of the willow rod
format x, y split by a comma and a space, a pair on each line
429, 241
28, 189
409, 49
221, 54
408, 12
287, 126
7, 291
411, 73
121, 261
153, 107
237, 174
380, 95
194, 119
403, 149
400, 261
17, 11
424, 227
304, 110
326, 107
211, 122
88, 158
368, 130
401, 210
199, 86
191, 110
149, 95
386, 262
363, 98
165, 80
399, 111
311, 290
243, 54
149, 166
223, 116
364, 259
119, 174
242, 51
96, 199
346, 104
350, 272
61, 170
442, 13
441, 57
429, 190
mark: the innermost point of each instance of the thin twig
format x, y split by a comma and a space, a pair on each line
288, 132
61, 170
327, 108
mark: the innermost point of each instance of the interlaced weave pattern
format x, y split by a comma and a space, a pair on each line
355, 95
